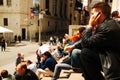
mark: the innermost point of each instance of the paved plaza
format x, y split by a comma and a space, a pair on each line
7, 59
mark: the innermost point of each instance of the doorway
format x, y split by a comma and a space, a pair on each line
23, 33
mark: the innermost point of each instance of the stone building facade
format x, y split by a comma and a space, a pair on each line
15, 15
59, 14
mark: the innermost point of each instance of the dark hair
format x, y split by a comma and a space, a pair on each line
81, 29
114, 14
22, 65
48, 54
0, 77
29, 61
4, 73
106, 9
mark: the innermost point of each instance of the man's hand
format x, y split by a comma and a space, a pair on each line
93, 22
68, 48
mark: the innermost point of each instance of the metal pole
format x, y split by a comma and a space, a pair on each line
39, 31
40, 25
30, 31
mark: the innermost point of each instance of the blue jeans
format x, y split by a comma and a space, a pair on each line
58, 69
75, 58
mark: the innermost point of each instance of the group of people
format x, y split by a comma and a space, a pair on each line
100, 43
17, 38
53, 40
99, 51
94, 51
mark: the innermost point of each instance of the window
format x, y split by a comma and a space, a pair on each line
65, 10
61, 4
8, 2
47, 4
55, 8
1, 2
47, 7
108, 1
111, 1
5, 21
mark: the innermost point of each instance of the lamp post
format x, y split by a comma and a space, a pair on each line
30, 31
40, 25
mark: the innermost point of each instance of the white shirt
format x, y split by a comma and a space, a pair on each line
32, 67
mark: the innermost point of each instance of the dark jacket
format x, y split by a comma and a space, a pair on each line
29, 75
106, 41
50, 63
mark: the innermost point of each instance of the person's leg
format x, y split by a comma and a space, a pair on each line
90, 65
39, 72
2, 48
58, 69
48, 73
75, 62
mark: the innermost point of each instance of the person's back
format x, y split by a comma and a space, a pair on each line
29, 75
110, 54
6, 76
10, 77
31, 66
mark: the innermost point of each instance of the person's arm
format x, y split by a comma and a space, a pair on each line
98, 39
70, 47
43, 63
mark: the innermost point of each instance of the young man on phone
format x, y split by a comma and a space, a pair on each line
101, 38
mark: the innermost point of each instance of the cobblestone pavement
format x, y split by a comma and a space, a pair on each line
7, 59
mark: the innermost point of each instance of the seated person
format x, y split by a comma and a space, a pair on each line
59, 52
6, 76
116, 16
73, 60
22, 73
47, 62
31, 66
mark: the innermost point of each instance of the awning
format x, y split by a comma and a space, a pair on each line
5, 30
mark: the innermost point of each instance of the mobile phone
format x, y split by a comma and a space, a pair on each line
98, 14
